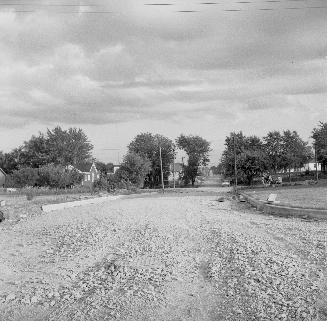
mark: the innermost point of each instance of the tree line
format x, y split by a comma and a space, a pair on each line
274, 153
149, 154
43, 160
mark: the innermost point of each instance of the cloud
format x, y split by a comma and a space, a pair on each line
152, 63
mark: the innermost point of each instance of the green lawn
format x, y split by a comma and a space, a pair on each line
309, 197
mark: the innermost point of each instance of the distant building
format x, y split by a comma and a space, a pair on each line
175, 170
2, 178
116, 167
89, 171
311, 166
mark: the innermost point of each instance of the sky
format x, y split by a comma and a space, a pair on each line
117, 68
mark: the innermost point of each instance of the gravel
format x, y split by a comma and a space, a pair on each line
173, 257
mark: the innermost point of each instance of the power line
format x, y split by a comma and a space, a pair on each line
177, 11
41, 7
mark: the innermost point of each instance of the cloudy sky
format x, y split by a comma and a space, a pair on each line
120, 67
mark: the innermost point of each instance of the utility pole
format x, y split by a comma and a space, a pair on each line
162, 179
315, 145
235, 163
174, 184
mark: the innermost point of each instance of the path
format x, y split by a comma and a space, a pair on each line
163, 258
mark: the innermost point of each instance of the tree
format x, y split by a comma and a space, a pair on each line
273, 144
296, 152
34, 152
319, 134
68, 146
9, 161
197, 150
251, 158
147, 146
134, 169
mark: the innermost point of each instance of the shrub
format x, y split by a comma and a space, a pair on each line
25, 177
58, 176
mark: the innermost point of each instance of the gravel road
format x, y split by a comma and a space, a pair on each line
172, 257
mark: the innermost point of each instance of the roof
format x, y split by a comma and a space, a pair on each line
2, 171
178, 167
85, 168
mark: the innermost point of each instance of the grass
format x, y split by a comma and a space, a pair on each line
303, 197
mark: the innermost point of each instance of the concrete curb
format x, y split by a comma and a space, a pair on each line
283, 210
53, 207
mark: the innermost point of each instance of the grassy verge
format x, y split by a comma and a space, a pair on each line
295, 196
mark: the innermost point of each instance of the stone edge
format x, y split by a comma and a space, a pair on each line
53, 207
280, 210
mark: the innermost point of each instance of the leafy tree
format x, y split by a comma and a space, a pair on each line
197, 150
134, 169
9, 161
147, 146
273, 143
319, 134
296, 152
68, 146
34, 152
251, 158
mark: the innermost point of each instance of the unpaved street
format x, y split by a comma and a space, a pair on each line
172, 257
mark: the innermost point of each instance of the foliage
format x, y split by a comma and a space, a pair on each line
34, 153
147, 146
104, 169
273, 143
296, 152
255, 157
251, 158
58, 146
57, 176
216, 170
25, 177
53, 176
8, 161
197, 150
319, 134
68, 146
134, 169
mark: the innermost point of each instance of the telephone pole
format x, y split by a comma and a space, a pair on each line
235, 162
162, 178
174, 184
316, 164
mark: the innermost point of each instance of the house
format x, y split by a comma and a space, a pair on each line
89, 171
2, 178
175, 171
116, 167
311, 166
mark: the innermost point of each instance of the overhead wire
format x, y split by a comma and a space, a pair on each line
43, 6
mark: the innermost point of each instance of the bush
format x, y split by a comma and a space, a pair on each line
25, 177
58, 176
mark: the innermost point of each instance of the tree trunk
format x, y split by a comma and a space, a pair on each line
193, 181
289, 174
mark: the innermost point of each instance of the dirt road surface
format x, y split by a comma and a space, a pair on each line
172, 257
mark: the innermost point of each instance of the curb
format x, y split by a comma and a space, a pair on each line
282, 210
53, 207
